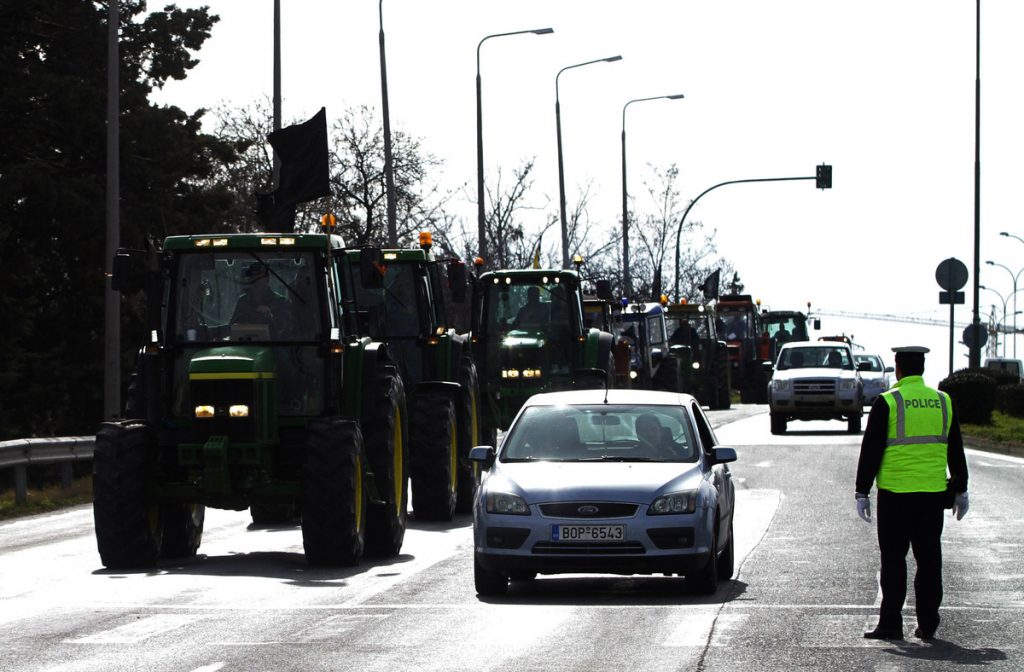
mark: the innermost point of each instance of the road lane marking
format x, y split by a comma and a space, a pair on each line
212, 667
696, 629
133, 633
324, 630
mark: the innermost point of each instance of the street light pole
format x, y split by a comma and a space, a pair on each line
481, 216
1015, 277
561, 169
626, 278
1021, 240
389, 165
112, 300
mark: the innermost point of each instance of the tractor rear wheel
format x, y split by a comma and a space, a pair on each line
434, 448
666, 378
469, 435
128, 524
334, 493
388, 454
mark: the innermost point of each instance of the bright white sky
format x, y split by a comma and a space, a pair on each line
882, 90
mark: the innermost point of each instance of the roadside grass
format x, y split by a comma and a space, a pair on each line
48, 498
1006, 428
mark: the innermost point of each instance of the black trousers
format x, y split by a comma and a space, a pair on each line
910, 520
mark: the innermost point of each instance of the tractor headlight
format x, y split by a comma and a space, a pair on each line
239, 411
632, 375
695, 365
510, 373
677, 502
204, 411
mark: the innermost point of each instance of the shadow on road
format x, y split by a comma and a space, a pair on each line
943, 650
613, 591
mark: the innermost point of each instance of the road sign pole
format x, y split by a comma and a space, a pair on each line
951, 307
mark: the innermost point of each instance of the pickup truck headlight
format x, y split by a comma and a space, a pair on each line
781, 385
847, 384
674, 503
507, 503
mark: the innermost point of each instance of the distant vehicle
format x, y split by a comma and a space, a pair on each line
616, 482
1008, 365
816, 381
875, 378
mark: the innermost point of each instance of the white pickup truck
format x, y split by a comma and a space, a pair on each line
816, 380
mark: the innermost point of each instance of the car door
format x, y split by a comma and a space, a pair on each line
719, 474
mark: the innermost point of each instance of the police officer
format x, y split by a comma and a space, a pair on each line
911, 437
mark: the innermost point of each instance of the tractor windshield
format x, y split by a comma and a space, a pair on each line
245, 296
534, 304
396, 303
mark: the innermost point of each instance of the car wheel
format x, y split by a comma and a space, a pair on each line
488, 583
705, 582
853, 424
727, 560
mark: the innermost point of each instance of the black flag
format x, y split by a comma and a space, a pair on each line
302, 149
710, 286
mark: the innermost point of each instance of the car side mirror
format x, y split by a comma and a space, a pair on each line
890, 369
722, 454
485, 455
816, 323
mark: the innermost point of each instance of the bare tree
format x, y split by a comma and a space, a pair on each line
509, 245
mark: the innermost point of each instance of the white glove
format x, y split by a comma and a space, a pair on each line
864, 509
960, 505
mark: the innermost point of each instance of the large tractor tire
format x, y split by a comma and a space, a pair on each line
434, 448
666, 378
385, 428
334, 494
183, 529
469, 435
129, 527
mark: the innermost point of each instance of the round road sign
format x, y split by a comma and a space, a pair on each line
951, 274
975, 335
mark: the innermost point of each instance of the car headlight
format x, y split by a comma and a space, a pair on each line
676, 502
781, 385
847, 384
503, 502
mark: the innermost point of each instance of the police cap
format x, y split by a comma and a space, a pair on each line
916, 349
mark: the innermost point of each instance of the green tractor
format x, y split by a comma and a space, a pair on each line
640, 329
405, 305
529, 337
703, 358
253, 391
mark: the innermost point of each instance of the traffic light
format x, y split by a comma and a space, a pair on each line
823, 177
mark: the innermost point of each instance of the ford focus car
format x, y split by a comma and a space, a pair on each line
608, 482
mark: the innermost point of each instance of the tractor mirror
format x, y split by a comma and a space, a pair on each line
371, 268
604, 290
128, 270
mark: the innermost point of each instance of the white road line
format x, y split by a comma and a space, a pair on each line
695, 629
133, 633
212, 667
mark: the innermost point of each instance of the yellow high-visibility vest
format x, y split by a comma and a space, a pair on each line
915, 450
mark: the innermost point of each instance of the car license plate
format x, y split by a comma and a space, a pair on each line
588, 532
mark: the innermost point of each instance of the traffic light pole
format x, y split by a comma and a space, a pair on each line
822, 177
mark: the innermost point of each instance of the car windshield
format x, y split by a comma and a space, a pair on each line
601, 433
873, 360
815, 358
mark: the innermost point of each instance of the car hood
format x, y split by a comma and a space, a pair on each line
816, 372
638, 482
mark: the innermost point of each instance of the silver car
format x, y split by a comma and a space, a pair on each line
609, 482
875, 376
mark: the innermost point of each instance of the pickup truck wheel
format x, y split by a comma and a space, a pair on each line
778, 422
853, 423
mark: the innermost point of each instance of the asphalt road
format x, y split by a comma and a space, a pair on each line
804, 591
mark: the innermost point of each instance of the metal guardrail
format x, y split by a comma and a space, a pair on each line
23, 453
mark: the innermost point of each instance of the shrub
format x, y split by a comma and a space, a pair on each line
973, 394
1010, 399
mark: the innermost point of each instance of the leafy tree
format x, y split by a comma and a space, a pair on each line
653, 267
53, 56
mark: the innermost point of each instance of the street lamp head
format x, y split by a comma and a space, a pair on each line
990, 262
612, 58
543, 31
1004, 233
676, 96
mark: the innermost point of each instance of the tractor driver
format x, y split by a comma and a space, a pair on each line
533, 313
259, 304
